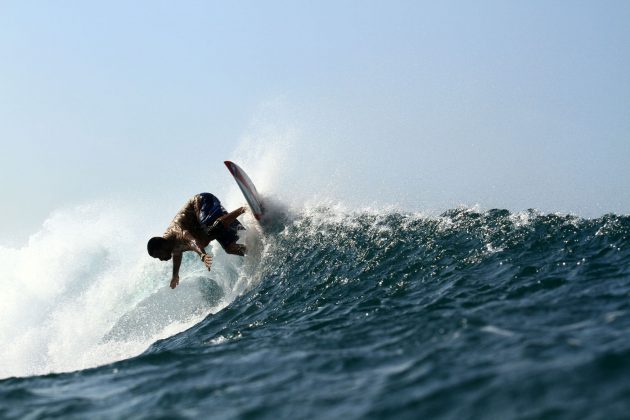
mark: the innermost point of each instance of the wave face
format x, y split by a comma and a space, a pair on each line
385, 315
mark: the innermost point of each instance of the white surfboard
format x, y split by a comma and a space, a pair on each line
247, 188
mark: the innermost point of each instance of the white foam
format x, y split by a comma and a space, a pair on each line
84, 271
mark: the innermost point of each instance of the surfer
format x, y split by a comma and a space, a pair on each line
201, 220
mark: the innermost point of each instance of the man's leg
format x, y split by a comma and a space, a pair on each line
236, 249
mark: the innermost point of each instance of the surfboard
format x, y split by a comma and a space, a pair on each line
247, 188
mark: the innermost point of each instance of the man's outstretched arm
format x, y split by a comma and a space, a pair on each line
177, 262
228, 219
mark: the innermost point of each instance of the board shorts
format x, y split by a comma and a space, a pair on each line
211, 209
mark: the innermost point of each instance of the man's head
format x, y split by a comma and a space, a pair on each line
158, 247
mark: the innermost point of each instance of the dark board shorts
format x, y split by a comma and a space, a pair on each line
211, 210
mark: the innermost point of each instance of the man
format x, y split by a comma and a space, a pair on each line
201, 220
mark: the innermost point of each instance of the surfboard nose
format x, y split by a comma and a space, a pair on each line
247, 188
230, 165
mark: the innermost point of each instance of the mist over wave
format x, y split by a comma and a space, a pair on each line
82, 291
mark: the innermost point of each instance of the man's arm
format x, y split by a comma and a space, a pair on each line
177, 262
194, 246
227, 219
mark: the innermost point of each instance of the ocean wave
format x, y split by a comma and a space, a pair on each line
474, 314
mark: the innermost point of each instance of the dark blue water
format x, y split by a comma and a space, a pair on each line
470, 315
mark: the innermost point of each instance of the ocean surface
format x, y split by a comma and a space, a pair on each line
334, 314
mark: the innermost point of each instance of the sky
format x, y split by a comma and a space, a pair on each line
421, 105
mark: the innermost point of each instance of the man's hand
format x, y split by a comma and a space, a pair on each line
174, 281
207, 260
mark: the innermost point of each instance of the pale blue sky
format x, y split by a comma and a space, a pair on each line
425, 105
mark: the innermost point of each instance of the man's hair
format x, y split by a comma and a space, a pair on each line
154, 244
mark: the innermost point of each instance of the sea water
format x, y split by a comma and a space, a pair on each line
335, 313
